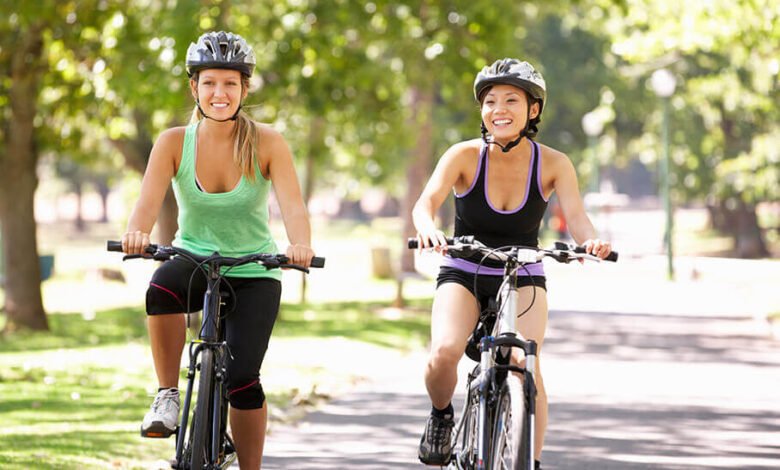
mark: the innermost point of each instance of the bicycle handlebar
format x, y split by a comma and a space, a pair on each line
562, 251
271, 261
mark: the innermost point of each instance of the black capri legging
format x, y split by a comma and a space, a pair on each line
247, 326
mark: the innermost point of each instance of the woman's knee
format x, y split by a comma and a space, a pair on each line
246, 393
445, 355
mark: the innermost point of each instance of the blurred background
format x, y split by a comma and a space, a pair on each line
667, 109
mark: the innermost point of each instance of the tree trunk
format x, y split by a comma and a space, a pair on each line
103, 190
748, 242
23, 302
420, 166
167, 222
316, 148
78, 189
741, 224
136, 153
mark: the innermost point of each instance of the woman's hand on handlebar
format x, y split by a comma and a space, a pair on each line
434, 239
300, 254
597, 247
134, 243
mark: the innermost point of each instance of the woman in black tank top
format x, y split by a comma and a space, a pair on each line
502, 183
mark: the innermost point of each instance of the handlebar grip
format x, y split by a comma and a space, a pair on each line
413, 243
113, 245
613, 256
317, 262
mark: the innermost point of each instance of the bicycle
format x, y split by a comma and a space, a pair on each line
206, 444
499, 411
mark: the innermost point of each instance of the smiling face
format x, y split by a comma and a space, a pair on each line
220, 91
505, 111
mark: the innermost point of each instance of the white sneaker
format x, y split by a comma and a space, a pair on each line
163, 415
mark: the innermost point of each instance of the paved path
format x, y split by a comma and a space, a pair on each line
627, 391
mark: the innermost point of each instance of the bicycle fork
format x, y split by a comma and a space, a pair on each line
181, 430
530, 348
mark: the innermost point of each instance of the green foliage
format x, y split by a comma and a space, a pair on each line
724, 55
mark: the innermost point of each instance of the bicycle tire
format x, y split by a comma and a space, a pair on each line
200, 424
510, 443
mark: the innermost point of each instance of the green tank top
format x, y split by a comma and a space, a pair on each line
234, 223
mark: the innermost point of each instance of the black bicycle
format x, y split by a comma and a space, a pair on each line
495, 430
205, 444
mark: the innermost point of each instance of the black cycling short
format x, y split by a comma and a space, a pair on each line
248, 319
487, 286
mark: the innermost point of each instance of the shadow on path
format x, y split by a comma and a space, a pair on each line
631, 392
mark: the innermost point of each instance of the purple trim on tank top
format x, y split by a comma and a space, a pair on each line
534, 269
168, 291
539, 170
527, 188
476, 175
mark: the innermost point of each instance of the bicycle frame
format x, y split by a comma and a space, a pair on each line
210, 348
487, 383
489, 387
210, 337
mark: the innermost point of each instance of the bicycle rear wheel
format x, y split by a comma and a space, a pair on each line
510, 443
200, 431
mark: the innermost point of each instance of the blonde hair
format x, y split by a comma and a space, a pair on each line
245, 141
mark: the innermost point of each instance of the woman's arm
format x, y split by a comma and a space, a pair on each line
580, 226
288, 194
159, 172
441, 182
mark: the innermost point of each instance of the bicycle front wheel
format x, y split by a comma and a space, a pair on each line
200, 424
510, 440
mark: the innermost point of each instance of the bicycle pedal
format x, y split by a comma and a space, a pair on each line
158, 432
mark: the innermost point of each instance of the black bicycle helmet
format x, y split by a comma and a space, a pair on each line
220, 50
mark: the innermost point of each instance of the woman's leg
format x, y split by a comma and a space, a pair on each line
532, 325
247, 332
455, 314
249, 435
167, 336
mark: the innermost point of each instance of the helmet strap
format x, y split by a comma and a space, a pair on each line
506, 148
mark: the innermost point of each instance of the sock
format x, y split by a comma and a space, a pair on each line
537, 465
446, 413
167, 388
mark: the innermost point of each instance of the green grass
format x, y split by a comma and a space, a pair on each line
359, 321
73, 397
71, 330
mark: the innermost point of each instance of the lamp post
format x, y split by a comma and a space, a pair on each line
592, 124
663, 83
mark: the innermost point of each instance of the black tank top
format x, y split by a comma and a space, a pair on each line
475, 214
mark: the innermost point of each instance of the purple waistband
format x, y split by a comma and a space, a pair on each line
534, 269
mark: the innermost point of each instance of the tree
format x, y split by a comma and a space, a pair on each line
33, 39
725, 116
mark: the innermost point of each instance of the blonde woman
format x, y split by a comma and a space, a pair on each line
222, 166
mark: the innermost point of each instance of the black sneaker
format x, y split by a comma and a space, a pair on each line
435, 445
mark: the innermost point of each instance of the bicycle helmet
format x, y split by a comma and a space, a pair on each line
521, 75
220, 50
515, 73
